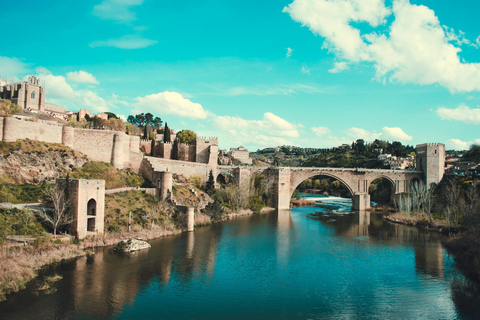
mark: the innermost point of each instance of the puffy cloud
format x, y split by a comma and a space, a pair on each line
170, 103
359, 133
415, 49
12, 67
456, 144
396, 134
461, 113
57, 90
116, 10
271, 125
331, 19
82, 77
388, 133
320, 131
272, 130
289, 52
339, 67
125, 42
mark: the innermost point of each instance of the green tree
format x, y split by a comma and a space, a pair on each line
145, 120
167, 134
210, 186
186, 136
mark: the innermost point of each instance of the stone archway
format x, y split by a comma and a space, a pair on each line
91, 215
382, 196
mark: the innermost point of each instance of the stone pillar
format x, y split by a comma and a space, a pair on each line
121, 145
190, 219
361, 201
68, 136
282, 187
164, 184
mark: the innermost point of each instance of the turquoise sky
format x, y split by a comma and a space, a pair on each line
312, 73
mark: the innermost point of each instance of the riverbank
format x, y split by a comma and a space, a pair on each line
420, 221
19, 265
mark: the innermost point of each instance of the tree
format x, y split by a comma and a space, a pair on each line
186, 136
60, 215
144, 120
210, 186
166, 134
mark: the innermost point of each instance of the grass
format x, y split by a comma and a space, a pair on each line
29, 146
19, 265
114, 178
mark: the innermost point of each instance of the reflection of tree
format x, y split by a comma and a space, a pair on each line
466, 297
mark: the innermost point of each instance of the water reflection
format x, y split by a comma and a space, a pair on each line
311, 262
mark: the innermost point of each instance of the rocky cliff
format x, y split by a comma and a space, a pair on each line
30, 162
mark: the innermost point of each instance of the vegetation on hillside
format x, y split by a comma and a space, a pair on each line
359, 155
29, 146
8, 108
141, 209
18, 222
114, 178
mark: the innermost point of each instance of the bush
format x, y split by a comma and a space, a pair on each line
113, 177
256, 203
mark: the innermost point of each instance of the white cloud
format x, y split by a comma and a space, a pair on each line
388, 133
82, 77
395, 134
289, 52
461, 113
414, 50
359, 133
57, 90
169, 103
320, 131
331, 20
125, 42
456, 144
12, 67
339, 67
116, 10
305, 69
269, 131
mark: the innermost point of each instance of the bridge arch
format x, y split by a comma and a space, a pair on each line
298, 179
392, 185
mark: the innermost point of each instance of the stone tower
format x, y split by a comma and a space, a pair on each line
431, 160
87, 201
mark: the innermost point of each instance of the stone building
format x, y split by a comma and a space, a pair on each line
29, 95
241, 154
431, 160
87, 202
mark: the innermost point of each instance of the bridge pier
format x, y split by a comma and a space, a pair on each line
361, 201
282, 187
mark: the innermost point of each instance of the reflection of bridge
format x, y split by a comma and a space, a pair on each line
430, 162
357, 181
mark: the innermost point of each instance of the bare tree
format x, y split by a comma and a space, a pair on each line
59, 215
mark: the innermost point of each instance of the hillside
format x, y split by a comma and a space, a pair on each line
357, 155
34, 162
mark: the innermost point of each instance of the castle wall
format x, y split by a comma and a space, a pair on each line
14, 129
152, 166
96, 144
165, 150
146, 146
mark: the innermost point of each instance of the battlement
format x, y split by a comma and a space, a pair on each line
433, 144
210, 140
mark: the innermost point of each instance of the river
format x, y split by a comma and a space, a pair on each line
321, 262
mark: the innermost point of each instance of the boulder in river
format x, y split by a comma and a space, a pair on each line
130, 245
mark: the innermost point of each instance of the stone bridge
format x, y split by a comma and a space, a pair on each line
430, 164
357, 181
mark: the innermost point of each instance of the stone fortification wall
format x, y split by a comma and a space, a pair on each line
164, 150
14, 129
146, 146
151, 166
113, 147
186, 152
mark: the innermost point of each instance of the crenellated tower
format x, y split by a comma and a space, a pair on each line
430, 158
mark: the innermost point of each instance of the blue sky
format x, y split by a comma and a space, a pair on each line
312, 73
